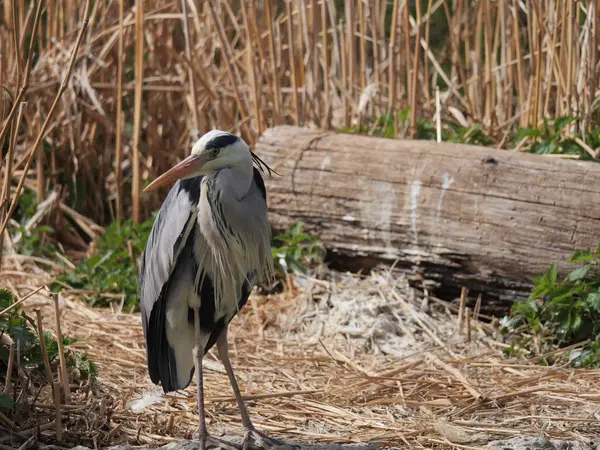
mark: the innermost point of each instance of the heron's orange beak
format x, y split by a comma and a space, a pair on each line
185, 169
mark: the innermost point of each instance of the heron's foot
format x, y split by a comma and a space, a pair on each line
208, 442
254, 439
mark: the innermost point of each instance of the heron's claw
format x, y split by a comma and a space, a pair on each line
208, 442
254, 439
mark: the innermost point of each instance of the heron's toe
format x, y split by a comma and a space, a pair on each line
254, 439
213, 443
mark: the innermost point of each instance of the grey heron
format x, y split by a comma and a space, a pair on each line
209, 245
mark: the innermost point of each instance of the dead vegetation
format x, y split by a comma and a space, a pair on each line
99, 97
245, 66
451, 387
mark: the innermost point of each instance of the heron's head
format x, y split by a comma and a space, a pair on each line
215, 150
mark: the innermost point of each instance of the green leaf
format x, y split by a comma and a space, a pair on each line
6, 402
6, 298
544, 283
543, 148
581, 256
593, 301
579, 274
527, 132
562, 122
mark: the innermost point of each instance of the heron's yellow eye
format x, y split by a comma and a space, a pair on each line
216, 151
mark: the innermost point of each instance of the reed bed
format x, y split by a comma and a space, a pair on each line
149, 77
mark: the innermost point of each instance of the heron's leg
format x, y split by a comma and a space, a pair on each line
206, 441
198, 355
250, 433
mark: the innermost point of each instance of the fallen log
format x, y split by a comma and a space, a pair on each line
459, 215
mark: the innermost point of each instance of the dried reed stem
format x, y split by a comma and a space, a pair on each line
63, 374
49, 115
278, 116
40, 329
8, 171
414, 105
9, 369
137, 109
294, 85
119, 116
57, 412
188, 55
25, 81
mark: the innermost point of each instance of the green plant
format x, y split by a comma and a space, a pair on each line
112, 268
552, 137
295, 251
560, 312
37, 241
22, 331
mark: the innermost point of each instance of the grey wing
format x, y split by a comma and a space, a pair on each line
166, 280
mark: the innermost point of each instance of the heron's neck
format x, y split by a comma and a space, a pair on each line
237, 179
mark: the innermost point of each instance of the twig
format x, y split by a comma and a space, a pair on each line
38, 316
461, 310
57, 417
468, 321
64, 376
438, 115
456, 374
14, 305
9, 370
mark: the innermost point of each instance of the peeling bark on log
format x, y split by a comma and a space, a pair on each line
461, 215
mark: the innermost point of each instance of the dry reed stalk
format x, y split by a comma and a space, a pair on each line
426, 81
250, 69
362, 27
119, 116
292, 62
415, 76
20, 301
278, 117
63, 374
16, 26
8, 171
392, 63
570, 55
538, 69
468, 322
40, 163
302, 37
56, 388
438, 115
325, 63
521, 89
350, 50
461, 312
489, 88
406, 46
49, 115
25, 79
9, 369
40, 330
232, 71
137, 109
188, 55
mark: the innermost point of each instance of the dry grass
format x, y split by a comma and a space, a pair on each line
245, 66
319, 387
